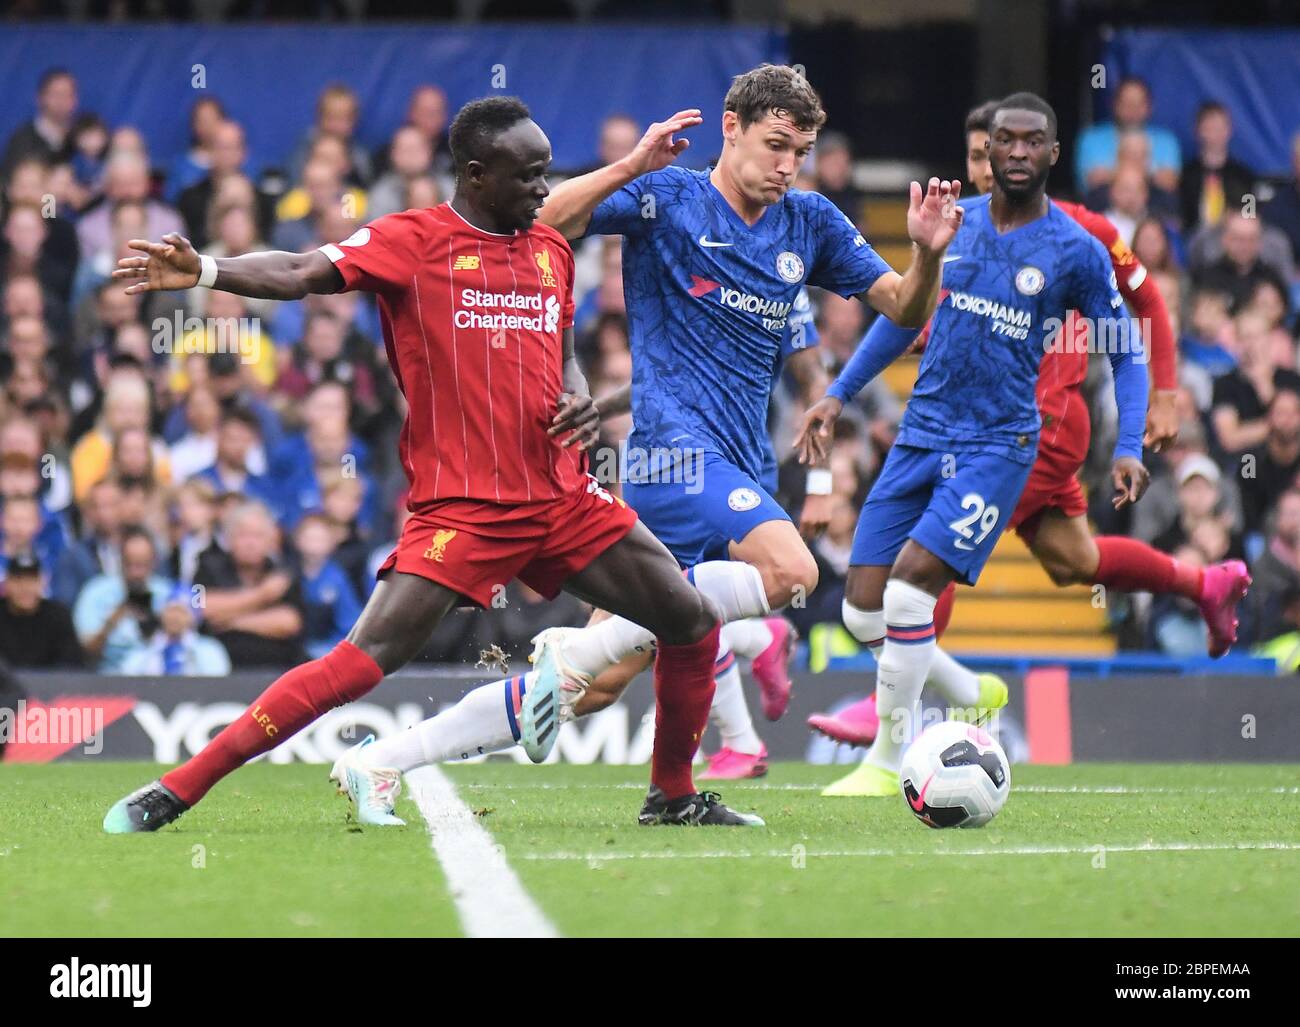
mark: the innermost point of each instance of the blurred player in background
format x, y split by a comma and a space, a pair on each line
713, 263
969, 437
1052, 513
477, 309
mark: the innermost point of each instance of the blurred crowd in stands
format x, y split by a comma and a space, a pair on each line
195, 482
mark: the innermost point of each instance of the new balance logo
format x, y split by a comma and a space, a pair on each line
465, 264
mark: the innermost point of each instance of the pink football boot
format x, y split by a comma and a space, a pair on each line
771, 667
729, 765
1224, 587
854, 725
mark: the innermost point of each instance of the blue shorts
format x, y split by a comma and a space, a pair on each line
697, 520
956, 505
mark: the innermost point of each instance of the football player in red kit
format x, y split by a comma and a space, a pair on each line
476, 305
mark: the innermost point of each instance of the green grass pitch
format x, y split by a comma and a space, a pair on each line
1078, 851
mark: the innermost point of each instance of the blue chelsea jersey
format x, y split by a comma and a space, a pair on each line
1004, 298
710, 300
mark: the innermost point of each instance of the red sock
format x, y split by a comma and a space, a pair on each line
683, 694
943, 609
292, 702
1132, 566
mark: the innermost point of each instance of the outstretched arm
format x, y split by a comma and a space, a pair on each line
932, 221
173, 264
884, 343
568, 209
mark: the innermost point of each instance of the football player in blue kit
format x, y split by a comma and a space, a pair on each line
713, 262
969, 435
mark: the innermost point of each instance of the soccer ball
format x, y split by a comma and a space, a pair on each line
955, 775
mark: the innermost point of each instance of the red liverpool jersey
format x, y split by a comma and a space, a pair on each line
1063, 368
473, 323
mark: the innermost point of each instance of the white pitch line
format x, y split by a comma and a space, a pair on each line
1028, 850
1029, 789
489, 897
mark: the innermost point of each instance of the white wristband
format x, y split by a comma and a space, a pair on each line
207, 271
820, 482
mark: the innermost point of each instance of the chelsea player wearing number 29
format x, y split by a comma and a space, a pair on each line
970, 433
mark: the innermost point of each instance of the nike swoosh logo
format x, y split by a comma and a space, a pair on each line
949, 259
709, 242
918, 803
963, 545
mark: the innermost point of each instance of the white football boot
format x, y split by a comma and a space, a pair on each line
373, 790
551, 696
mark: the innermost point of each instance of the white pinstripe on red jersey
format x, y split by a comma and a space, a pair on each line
431, 310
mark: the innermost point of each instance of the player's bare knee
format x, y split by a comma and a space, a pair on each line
1061, 565
688, 621
1062, 571
789, 577
865, 587
921, 571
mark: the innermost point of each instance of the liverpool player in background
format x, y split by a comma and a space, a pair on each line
1051, 515
476, 306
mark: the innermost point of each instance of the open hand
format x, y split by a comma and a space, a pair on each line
167, 265
933, 218
816, 430
657, 148
577, 414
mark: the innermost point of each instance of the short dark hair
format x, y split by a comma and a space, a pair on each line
775, 87
980, 117
1283, 390
243, 415
1211, 107
50, 75
1026, 102
135, 531
1134, 80
478, 123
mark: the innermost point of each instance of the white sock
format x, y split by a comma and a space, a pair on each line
481, 722
958, 685
747, 638
730, 712
736, 588
904, 663
867, 626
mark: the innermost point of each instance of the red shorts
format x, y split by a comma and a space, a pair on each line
1054, 479
476, 547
